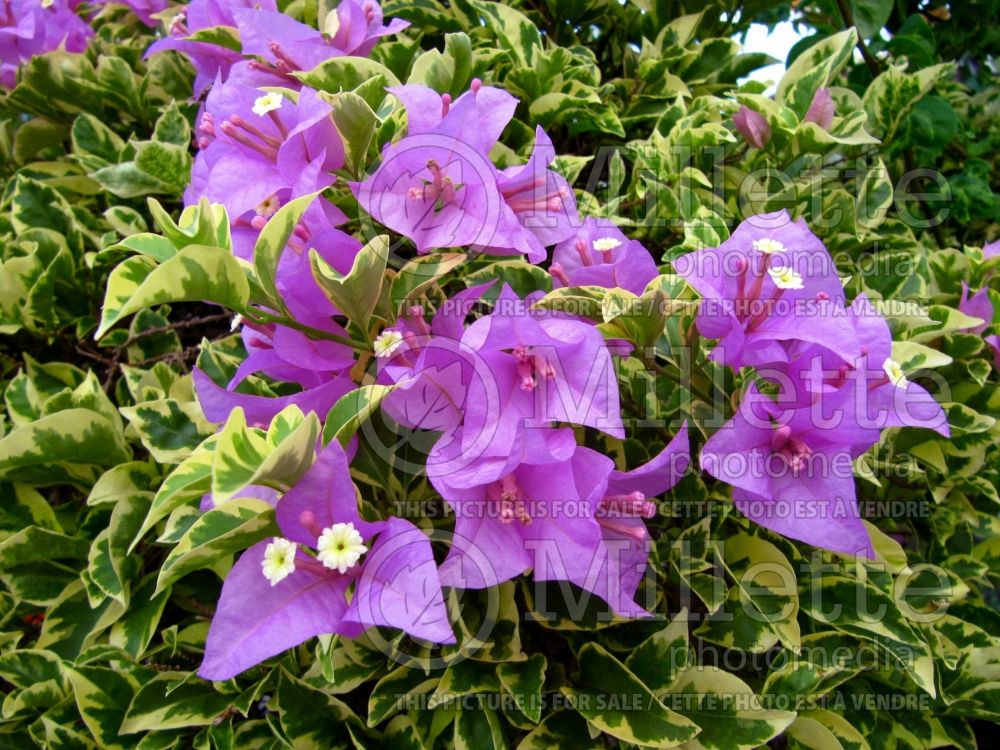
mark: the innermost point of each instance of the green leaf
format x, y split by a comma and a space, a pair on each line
523, 680
34, 543
166, 163
195, 273
874, 198
932, 123
221, 36
601, 699
219, 532
34, 204
356, 123
36, 135
808, 734
401, 734
465, 677
25, 667
391, 693
169, 429
658, 660
189, 481
173, 701
449, 72
870, 16
63, 447
311, 719
245, 456
102, 696
274, 237
356, 293
106, 561
419, 275
127, 180
92, 137
516, 34
345, 74
562, 729
202, 224
729, 713
158, 167
763, 606
135, 630
799, 680
912, 356
523, 278
172, 127
835, 601
478, 729
847, 735
893, 94
71, 624
351, 411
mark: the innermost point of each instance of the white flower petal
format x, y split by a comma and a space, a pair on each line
267, 103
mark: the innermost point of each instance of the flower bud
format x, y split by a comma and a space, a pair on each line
820, 109
752, 126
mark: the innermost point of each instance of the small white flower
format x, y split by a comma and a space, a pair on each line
895, 372
279, 560
606, 243
767, 245
340, 547
387, 343
267, 103
785, 278
268, 207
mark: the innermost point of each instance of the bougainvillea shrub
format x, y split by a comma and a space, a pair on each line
470, 374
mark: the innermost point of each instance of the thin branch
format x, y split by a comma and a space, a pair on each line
189, 323
845, 13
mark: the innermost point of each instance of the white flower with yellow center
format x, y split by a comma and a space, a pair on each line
268, 207
606, 243
785, 278
895, 373
387, 343
267, 103
340, 547
768, 246
279, 560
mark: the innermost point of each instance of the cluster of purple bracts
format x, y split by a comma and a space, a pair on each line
772, 298
507, 395
29, 28
34, 27
273, 45
500, 390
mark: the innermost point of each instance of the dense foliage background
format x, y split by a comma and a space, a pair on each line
110, 580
